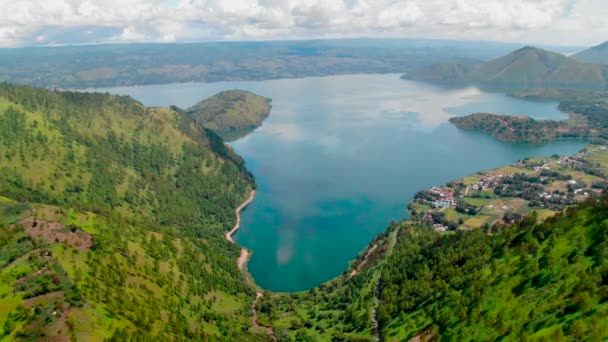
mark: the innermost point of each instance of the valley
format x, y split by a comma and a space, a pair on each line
124, 216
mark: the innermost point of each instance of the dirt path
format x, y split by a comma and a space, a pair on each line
242, 261
256, 325
237, 211
360, 266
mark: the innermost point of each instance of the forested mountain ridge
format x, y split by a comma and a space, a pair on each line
231, 110
526, 68
112, 221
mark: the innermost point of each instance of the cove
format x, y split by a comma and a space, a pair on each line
340, 157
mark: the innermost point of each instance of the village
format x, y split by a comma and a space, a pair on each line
542, 185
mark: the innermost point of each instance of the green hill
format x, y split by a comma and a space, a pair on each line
596, 54
231, 110
112, 221
525, 68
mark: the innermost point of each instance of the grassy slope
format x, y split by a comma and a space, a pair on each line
153, 190
231, 110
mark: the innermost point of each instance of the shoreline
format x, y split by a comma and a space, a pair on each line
242, 260
237, 211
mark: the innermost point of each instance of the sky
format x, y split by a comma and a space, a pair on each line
64, 22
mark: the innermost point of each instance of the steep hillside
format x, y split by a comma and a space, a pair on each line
523, 282
523, 69
113, 221
596, 54
231, 110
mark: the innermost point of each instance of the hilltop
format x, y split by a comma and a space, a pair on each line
112, 218
231, 110
522, 69
597, 54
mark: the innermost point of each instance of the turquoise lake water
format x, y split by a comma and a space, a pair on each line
340, 157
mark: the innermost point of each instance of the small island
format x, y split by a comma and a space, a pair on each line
231, 110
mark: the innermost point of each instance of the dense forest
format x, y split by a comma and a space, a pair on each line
112, 221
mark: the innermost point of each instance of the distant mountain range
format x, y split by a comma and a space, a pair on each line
597, 54
155, 63
526, 68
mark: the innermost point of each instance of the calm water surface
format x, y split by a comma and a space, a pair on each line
340, 157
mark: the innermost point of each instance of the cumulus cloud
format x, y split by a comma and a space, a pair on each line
35, 22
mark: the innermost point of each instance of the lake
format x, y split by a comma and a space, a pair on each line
340, 157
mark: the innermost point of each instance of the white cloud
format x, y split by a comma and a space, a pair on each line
576, 21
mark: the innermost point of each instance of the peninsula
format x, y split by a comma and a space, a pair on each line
231, 110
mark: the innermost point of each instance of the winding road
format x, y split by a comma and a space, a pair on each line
242, 261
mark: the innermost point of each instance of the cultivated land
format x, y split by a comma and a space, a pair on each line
545, 186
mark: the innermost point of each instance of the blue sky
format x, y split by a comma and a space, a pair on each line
60, 22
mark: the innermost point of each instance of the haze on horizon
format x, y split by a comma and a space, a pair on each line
67, 22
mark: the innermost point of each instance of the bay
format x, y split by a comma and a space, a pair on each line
340, 157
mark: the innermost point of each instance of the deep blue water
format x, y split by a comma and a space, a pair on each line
340, 157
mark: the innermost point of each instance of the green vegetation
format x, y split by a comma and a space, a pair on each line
596, 54
113, 219
527, 281
506, 194
339, 310
592, 106
522, 128
231, 110
525, 68
112, 223
588, 118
